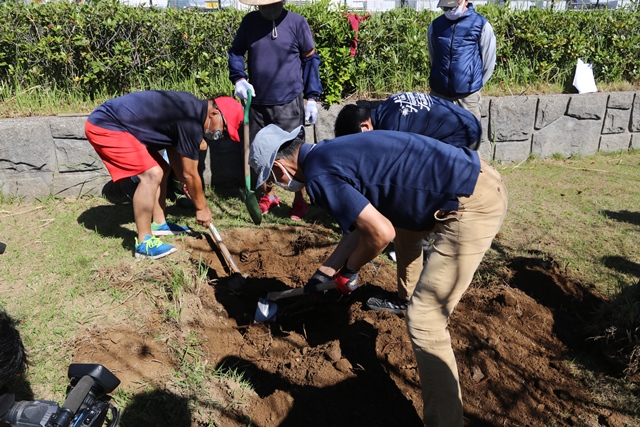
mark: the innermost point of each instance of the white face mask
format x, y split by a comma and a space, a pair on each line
293, 185
455, 14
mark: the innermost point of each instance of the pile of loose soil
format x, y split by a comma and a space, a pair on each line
332, 362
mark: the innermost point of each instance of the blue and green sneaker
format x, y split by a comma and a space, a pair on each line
152, 247
168, 229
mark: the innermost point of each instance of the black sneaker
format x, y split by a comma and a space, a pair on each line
391, 304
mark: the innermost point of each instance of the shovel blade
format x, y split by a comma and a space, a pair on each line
266, 311
251, 202
237, 281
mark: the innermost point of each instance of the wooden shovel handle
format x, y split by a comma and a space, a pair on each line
223, 249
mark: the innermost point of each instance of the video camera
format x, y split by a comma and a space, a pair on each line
86, 405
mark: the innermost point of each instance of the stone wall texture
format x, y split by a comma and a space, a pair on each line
50, 156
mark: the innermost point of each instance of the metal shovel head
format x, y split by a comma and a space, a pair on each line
251, 202
266, 311
237, 281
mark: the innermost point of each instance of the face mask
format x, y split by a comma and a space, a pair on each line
454, 14
212, 135
271, 12
293, 185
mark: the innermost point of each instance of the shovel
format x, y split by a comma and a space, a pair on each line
237, 278
248, 196
267, 308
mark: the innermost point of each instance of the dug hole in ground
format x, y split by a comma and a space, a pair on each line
333, 362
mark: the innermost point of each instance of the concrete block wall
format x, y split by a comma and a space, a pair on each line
50, 156
516, 127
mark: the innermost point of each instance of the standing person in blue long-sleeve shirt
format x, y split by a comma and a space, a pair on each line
283, 72
462, 48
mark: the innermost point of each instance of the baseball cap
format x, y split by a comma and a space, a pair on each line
264, 148
233, 114
447, 3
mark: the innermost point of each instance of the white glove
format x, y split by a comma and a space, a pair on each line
311, 112
242, 87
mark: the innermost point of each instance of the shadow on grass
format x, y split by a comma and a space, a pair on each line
622, 265
230, 201
623, 216
158, 408
226, 198
108, 221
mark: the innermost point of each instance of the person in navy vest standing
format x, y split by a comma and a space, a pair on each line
462, 48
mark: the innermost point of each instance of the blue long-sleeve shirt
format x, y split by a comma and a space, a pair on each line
275, 58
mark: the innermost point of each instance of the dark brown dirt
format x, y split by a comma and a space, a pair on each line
332, 362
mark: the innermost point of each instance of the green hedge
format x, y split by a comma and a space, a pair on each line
107, 47
544, 45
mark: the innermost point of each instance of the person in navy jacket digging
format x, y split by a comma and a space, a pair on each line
413, 112
376, 183
425, 115
130, 131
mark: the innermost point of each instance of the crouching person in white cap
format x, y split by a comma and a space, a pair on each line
403, 181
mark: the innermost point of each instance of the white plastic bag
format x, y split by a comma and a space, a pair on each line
583, 80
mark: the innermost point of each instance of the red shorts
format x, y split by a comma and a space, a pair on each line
122, 153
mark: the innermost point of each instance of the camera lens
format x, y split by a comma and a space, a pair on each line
30, 412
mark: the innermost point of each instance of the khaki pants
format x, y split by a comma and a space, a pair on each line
461, 239
469, 102
409, 260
